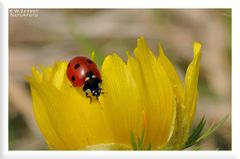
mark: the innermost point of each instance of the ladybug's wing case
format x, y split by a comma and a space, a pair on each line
93, 67
77, 69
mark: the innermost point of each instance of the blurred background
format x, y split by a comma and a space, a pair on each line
46, 36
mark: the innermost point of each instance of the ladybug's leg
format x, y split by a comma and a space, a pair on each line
102, 92
88, 96
86, 89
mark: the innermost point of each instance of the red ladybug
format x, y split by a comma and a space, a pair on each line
82, 71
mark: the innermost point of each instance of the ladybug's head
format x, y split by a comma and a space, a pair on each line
96, 92
93, 85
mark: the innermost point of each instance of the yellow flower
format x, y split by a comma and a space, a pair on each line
144, 105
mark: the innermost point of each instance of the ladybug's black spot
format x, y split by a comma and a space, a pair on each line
89, 61
77, 66
68, 65
73, 78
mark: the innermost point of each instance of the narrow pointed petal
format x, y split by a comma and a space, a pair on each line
186, 110
46, 126
191, 82
156, 93
121, 100
172, 75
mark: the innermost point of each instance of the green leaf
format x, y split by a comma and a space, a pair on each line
212, 128
196, 133
149, 147
134, 144
196, 137
197, 148
141, 140
139, 144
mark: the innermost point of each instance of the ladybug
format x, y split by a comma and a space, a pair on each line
82, 71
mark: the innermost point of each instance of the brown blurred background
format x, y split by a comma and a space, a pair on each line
52, 35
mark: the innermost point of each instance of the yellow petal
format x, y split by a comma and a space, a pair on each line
139, 86
191, 82
121, 99
47, 128
157, 95
67, 113
186, 110
172, 75
177, 138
